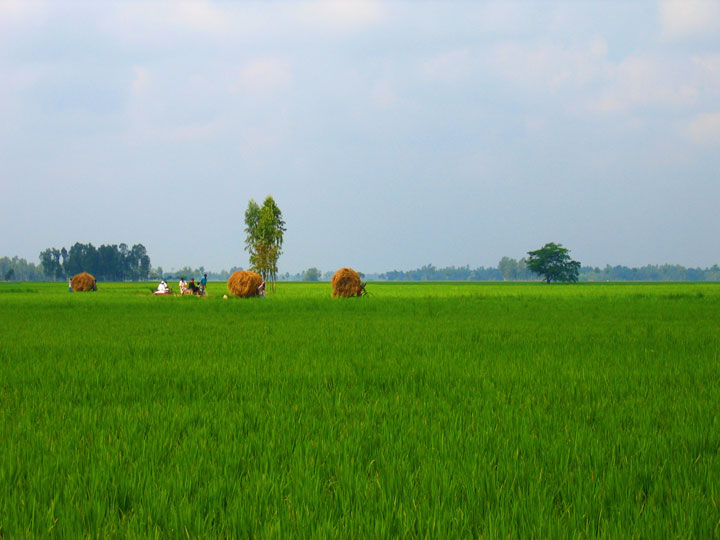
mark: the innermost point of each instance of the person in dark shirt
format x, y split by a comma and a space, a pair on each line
203, 283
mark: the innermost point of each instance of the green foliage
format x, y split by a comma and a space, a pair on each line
264, 227
106, 263
50, 262
650, 272
311, 274
553, 263
513, 270
189, 272
452, 410
430, 272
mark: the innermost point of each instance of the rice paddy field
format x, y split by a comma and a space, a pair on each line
427, 410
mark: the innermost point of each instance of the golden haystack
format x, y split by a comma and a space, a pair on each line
83, 282
346, 282
244, 283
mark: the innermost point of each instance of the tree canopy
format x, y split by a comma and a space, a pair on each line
106, 263
553, 263
312, 274
264, 227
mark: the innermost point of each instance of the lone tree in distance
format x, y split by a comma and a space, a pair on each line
553, 263
264, 227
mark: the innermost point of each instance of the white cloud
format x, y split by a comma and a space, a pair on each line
144, 129
383, 94
18, 78
549, 66
199, 15
589, 81
709, 66
639, 81
448, 66
195, 131
340, 15
170, 23
506, 17
163, 106
16, 11
704, 129
165, 21
141, 81
263, 76
534, 124
689, 18
21, 20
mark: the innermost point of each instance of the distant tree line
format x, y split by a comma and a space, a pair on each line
311, 274
17, 269
509, 269
426, 273
188, 272
448, 273
650, 272
106, 263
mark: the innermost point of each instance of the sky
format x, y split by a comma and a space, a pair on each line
391, 134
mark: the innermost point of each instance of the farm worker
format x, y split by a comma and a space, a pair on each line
192, 286
261, 290
162, 288
183, 285
203, 283
69, 284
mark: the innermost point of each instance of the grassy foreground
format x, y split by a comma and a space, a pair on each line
425, 411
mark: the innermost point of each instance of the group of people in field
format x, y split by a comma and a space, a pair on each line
191, 287
186, 287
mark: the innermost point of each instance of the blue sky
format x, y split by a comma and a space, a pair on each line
391, 134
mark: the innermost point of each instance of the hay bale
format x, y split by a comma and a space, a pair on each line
244, 283
346, 282
83, 282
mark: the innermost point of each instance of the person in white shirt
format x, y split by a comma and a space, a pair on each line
162, 288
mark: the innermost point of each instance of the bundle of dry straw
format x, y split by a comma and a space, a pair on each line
346, 282
83, 282
244, 283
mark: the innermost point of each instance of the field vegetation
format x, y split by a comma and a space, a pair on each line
433, 410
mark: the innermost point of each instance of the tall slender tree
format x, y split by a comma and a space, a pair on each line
264, 227
50, 261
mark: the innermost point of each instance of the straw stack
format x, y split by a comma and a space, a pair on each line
244, 283
83, 282
346, 283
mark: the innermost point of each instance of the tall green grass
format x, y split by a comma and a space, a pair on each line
427, 410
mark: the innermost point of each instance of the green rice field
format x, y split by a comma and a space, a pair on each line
427, 410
